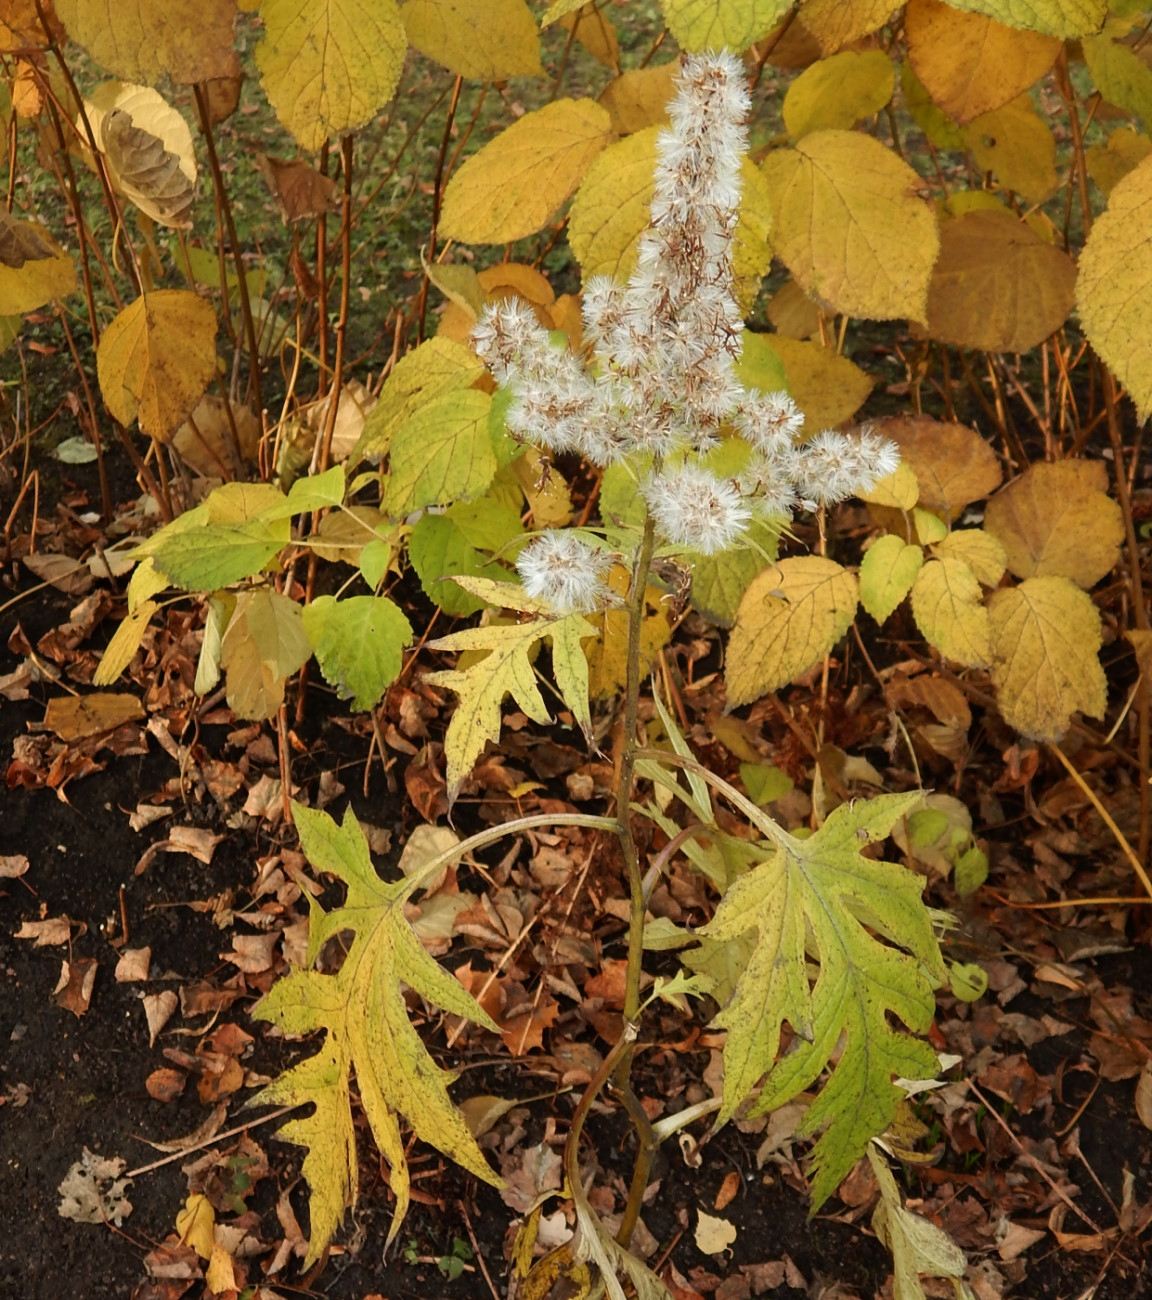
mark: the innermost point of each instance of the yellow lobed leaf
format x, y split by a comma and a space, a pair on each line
700, 25
968, 62
839, 91
828, 389
835, 24
953, 465
1109, 163
1016, 144
1114, 289
998, 287
441, 453
1045, 641
790, 617
947, 609
514, 184
196, 1224
490, 40
329, 65
887, 572
140, 40
506, 670
1121, 76
156, 359
34, 269
1052, 17
147, 147
1056, 519
594, 30
640, 98
979, 550
611, 210
836, 198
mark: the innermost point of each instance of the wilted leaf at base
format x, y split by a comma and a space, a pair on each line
997, 285
791, 616
700, 25
147, 147
917, 1245
489, 40
1056, 519
156, 359
837, 198
327, 66
946, 605
264, 644
1045, 637
301, 192
363, 1012
969, 63
358, 643
513, 185
953, 465
139, 40
864, 985
34, 269
1114, 290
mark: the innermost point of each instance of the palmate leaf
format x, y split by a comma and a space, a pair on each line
814, 898
362, 1009
507, 670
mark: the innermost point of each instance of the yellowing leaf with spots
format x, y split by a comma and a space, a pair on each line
700, 25
1017, 145
887, 572
1057, 519
611, 210
34, 269
1045, 641
1053, 17
839, 91
979, 550
362, 1011
970, 63
327, 66
514, 184
997, 286
790, 617
507, 670
837, 199
1114, 289
156, 359
947, 609
490, 40
141, 40
868, 1000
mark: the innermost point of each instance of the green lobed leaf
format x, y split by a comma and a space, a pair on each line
887, 572
439, 552
442, 453
821, 894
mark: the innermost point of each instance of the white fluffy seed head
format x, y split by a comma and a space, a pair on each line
694, 509
565, 572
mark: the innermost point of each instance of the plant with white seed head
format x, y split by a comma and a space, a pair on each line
663, 383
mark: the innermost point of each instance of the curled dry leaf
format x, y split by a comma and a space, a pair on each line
158, 1009
73, 992
93, 1191
13, 865
133, 965
56, 929
165, 1084
713, 1235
